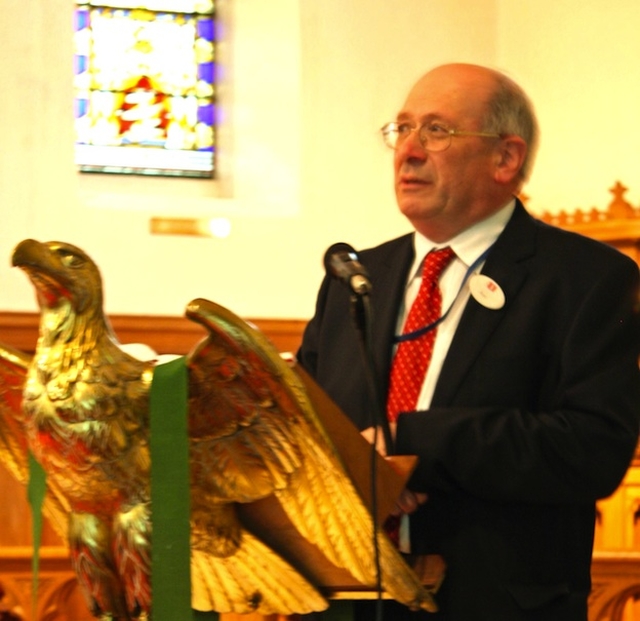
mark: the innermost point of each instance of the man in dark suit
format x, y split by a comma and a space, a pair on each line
529, 410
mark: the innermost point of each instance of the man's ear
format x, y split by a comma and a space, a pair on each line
510, 156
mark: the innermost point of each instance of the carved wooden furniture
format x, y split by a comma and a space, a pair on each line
616, 558
618, 225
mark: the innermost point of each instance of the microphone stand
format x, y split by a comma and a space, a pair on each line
361, 315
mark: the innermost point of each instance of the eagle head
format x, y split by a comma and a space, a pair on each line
62, 274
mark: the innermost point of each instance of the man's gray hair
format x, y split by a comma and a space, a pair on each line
510, 111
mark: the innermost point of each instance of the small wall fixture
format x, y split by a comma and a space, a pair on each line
199, 227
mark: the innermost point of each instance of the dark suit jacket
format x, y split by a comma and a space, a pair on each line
534, 417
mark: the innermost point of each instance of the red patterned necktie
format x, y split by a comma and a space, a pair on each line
412, 357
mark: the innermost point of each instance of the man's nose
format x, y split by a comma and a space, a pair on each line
411, 147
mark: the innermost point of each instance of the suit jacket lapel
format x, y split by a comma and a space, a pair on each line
505, 264
388, 291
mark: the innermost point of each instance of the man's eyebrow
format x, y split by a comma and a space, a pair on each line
432, 116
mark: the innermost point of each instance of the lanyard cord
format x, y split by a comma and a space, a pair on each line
416, 334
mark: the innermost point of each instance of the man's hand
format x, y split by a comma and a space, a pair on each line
369, 434
408, 501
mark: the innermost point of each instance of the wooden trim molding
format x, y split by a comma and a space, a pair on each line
617, 225
166, 335
615, 582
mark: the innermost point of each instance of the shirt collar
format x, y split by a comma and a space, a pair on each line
470, 243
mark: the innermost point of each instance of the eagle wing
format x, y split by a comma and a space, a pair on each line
257, 442
14, 452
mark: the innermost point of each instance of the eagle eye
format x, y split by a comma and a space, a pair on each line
69, 259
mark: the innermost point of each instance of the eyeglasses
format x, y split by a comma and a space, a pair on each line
433, 137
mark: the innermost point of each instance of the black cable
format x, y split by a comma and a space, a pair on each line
361, 311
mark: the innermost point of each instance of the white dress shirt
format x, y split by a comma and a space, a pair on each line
469, 246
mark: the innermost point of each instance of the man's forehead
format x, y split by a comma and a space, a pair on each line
448, 93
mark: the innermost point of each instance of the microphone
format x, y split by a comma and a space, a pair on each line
341, 262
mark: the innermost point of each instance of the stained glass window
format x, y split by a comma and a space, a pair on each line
145, 87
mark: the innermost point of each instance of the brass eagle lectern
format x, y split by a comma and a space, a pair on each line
278, 477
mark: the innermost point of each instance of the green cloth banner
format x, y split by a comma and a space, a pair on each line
36, 490
170, 493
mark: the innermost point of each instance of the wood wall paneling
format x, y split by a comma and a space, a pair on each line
166, 335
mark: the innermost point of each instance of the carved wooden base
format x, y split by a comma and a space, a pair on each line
59, 597
615, 585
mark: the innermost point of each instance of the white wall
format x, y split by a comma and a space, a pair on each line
579, 62
307, 84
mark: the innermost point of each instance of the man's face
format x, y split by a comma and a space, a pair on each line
445, 192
